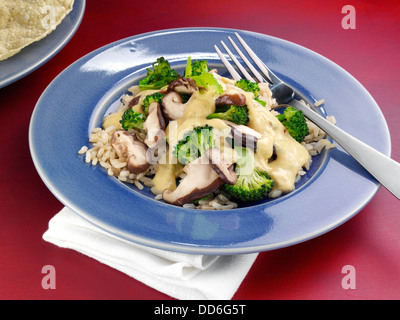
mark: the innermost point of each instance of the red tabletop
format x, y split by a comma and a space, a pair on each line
369, 242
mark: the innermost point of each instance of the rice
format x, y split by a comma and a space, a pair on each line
159, 197
319, 102
83, 150
216, 201
102, 153
274, 194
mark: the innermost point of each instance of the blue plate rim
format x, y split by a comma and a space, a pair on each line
65, 31
185, 247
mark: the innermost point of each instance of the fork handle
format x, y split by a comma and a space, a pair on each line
383, 168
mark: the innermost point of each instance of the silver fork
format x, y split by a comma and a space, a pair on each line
383, 168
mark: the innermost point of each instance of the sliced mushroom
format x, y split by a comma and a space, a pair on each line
221, 165
134, 151
134, 101
237, 99
244, 136
200, 180
183, 86
172, 106
154, 125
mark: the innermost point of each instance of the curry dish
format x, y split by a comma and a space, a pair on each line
199, 137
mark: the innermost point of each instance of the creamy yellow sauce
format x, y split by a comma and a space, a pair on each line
291, 155
113, 120
166, 174
198, 108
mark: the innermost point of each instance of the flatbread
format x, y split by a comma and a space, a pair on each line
23, 22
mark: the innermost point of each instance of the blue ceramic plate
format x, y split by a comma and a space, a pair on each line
38, 53
334, 189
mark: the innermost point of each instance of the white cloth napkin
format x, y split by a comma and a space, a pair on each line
181, 276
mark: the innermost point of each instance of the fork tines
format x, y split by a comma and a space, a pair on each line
269, 76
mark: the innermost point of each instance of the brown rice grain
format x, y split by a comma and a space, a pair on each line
158, 197
138, 185
83, 150
215, 204
319, 102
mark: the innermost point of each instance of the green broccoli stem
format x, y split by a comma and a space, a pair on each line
281, 117
216, 115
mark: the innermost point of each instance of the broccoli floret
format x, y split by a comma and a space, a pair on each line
295, 123
195, 67
198, 71
252, 184
235, 114
194, 143
157, 97
132, 120
207, 80
249, 86
159, 76
199, 66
